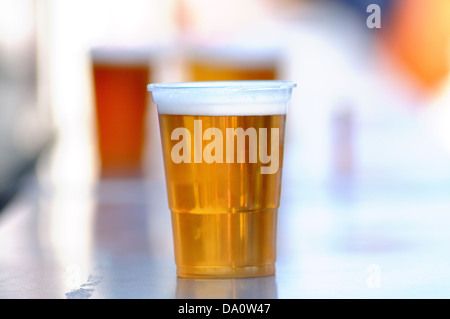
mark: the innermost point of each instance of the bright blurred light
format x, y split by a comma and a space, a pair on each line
65, 226
436, 117
12, 33
216, 21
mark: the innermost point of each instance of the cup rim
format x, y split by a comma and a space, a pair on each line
248, 85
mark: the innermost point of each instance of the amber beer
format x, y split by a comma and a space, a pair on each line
119, 77
223, 156
204, 70
232, 63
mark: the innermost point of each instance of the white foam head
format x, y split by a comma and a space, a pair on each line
222, 97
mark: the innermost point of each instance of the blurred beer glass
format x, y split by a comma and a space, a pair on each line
120, 76
223, 190
231, 63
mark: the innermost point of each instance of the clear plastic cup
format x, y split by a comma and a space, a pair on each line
223, 155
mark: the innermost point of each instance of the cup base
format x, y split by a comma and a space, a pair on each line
225, 272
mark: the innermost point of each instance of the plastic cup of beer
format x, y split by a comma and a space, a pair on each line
120, 76
223, 155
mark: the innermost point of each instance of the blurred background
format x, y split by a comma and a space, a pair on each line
371, 110
371, 104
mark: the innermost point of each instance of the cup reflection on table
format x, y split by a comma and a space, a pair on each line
120, 76
250, 288
223, 154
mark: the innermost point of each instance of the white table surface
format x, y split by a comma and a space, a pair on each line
112, 239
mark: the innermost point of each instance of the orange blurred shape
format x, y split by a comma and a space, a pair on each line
419, 35
121, 101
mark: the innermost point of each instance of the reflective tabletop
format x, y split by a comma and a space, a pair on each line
112, 239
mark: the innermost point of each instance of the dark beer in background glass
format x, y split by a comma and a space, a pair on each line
120, 77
